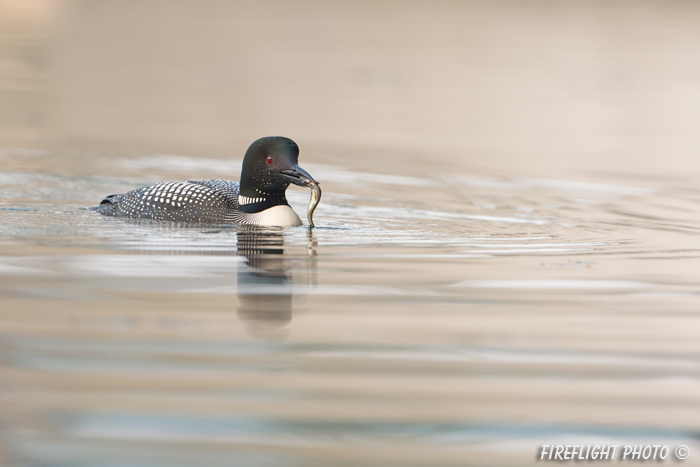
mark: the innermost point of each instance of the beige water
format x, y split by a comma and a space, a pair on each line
506, 253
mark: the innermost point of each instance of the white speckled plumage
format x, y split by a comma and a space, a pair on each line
269, 166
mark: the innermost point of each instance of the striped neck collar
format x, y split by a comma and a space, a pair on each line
244, 200
251, 205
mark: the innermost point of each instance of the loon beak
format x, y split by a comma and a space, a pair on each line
299, 176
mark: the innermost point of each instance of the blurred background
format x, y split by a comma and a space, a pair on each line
573, 84
506, 253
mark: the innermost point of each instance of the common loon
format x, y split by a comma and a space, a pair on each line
269, 166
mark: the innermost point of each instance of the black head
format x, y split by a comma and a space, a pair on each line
269, 166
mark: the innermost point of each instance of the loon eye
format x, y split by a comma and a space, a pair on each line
269, 160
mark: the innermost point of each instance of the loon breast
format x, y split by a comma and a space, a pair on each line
281, 215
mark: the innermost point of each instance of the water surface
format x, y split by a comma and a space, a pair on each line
478, 321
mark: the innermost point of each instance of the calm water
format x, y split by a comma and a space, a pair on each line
488, 317
465, 297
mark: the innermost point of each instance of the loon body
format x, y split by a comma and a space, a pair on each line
269, 166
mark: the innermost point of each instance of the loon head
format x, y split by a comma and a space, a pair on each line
269, 166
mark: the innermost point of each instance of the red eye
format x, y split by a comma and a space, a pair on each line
269, 160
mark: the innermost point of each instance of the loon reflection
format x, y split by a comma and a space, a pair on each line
265, 276
265, 292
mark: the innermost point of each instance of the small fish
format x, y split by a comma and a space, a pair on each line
313, 202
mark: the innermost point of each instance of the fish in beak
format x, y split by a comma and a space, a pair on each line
299, 176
